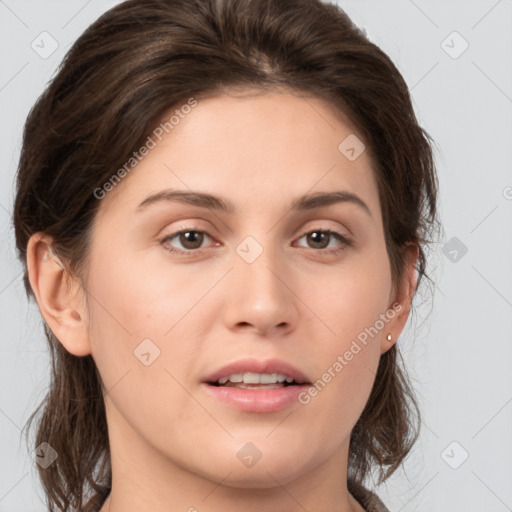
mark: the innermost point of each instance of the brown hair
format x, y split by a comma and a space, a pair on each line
131, 65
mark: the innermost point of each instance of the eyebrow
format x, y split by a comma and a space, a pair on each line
212, 202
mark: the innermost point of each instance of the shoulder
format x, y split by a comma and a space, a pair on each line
368, 499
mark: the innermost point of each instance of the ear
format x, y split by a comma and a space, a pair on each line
401, 298
59, 296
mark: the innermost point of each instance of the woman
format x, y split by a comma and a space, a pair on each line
224, 209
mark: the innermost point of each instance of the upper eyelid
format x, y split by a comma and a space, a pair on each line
334, 232
302, 232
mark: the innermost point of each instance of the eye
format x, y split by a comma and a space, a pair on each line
321, 239
190, 239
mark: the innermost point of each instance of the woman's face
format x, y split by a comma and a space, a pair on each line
258, 281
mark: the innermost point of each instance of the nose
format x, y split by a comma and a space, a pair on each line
260, 296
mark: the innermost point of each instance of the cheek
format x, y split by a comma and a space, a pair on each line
142, 301
142, 342
131, 303
351, 308
351, 299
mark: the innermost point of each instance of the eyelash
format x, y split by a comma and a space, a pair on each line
346, 243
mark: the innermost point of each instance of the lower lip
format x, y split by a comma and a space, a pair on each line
257, 400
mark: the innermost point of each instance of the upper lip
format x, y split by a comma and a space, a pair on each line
258, 366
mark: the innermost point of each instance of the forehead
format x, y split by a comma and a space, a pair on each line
252, 146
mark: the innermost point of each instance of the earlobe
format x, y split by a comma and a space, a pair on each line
401, 303
59, 296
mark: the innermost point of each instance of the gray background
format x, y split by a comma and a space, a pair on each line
458, 349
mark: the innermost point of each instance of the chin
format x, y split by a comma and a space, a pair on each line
273, 468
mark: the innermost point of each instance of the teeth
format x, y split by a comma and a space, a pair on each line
256, 378
252, 378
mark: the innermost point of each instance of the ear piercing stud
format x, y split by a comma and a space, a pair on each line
389, 337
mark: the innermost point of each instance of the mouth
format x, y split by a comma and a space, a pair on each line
251, 380
254, 373
252, 385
